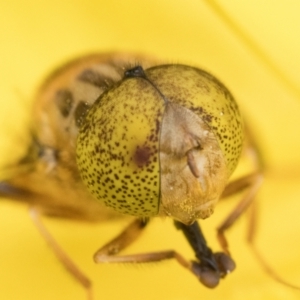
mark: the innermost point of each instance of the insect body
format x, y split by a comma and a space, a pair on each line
114, 133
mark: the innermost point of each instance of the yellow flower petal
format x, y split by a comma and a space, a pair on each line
35, 36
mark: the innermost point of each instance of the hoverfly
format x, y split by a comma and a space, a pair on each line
115, 136
46, 152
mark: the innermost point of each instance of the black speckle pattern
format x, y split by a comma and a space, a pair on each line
118, 148
203, 94
118, 145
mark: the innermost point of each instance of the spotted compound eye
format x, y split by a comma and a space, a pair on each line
163, 141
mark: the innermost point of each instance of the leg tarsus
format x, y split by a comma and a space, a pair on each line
253, 183
257, 253
60, 254
270, 270
108, 253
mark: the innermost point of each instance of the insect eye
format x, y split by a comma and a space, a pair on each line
138, 149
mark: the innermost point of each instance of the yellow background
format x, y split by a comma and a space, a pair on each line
36, 36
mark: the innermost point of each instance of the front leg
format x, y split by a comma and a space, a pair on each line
208, 268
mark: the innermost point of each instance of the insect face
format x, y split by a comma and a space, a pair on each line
161, 143
158, 141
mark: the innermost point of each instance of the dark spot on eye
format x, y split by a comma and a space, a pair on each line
80, 113
142, 156
64, 101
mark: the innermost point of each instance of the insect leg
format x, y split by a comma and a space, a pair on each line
123, 240
61, 255
252, 182
268, 269
211, 268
